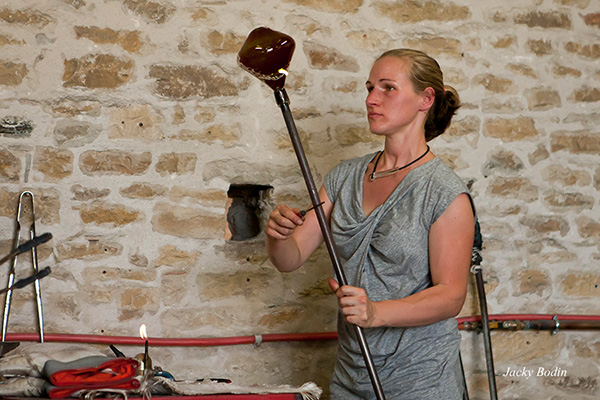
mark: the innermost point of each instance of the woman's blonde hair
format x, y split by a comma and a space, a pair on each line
426, 72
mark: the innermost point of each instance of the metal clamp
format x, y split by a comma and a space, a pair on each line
556, 325
475, 268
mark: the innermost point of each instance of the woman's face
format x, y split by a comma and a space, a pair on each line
393, 106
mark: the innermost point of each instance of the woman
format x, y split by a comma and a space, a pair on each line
403, 226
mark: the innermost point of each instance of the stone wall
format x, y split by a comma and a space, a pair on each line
130, 119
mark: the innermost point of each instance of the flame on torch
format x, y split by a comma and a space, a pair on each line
143, 333
283, 71
144, 336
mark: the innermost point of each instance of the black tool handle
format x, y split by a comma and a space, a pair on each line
21, 283
283, 102
28, 245
117, 352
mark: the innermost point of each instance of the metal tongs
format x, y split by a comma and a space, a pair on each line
38, 274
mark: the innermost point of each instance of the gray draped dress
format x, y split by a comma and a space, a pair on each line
386, 253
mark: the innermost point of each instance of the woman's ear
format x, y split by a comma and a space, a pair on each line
428, 99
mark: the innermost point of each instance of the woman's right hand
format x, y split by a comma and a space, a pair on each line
283, 221
291, 238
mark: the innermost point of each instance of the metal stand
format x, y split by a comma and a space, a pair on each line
11, 276
485, 322
283, 102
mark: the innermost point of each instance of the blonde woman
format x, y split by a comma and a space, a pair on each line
403, 225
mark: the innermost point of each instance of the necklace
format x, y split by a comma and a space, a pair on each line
374, 175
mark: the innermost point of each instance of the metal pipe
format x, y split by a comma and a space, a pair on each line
529, 317
537, 324
283, 102
254, 339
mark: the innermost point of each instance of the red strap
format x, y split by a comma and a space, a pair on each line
66, 391
115, 370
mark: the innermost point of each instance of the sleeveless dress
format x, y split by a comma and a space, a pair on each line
386, 253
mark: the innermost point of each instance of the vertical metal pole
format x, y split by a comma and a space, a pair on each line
485, 322
36, 269
283, 102
11, 273
462, 369
7, 299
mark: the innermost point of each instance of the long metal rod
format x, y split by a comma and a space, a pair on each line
11, 272
485, 321
462, 370
283, 101
36, 269
487, 342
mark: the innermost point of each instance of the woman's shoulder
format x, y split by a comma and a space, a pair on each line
444, 185
445, 176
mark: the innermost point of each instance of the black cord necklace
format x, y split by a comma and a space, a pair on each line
374, 175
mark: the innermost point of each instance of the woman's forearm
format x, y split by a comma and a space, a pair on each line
423, 308
284, 253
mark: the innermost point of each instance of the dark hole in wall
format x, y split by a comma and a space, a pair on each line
15, 126
244, 211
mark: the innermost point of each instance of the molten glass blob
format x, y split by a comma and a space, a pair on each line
266, 54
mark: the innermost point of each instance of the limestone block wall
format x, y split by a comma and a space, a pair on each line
130, 120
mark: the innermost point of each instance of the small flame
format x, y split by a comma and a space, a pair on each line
283, 71
143, 333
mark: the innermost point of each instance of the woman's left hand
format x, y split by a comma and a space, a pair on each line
354, 304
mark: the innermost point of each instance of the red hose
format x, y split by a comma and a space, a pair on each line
256, 339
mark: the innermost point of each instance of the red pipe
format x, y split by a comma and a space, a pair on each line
255, 339
238, 396
530, 317
189, 342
